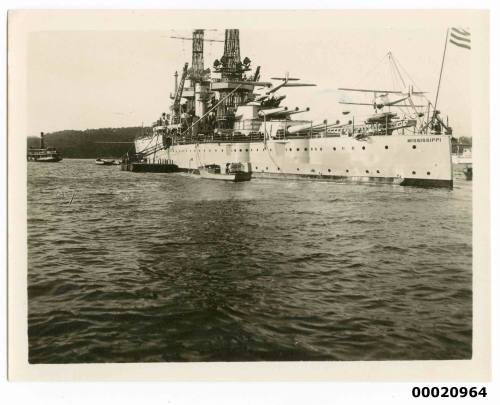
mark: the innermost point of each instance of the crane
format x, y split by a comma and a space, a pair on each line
176, 107
190, 39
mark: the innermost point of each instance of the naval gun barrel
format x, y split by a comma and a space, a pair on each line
303, 127
297, 111
265, 113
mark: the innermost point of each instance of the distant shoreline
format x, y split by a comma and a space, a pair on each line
91, 143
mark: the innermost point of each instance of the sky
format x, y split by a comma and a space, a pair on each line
95, 79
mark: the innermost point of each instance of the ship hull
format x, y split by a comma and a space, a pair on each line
234, 177
420, 161
45, 159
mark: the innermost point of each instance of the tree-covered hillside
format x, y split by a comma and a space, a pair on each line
91, 143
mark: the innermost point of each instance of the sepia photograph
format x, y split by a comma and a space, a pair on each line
196, 190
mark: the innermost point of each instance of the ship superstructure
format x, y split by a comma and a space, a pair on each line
226, 115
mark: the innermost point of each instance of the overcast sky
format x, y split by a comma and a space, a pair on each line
95, 79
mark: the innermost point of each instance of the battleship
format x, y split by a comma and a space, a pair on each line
227, 115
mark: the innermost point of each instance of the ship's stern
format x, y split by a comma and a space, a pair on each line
433, 166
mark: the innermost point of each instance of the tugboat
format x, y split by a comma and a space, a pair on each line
233, 172
43, 154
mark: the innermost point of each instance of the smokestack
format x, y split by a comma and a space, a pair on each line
42, 144
176, 75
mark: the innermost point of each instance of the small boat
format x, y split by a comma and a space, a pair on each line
468, 172
105, 162
232, 172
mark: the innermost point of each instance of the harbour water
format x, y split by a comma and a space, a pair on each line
140, 267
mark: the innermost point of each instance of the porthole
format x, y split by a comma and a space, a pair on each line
342, 148
312, 170
305, 149
413, 172
320, 149
270, 150
246, 150
428, 173
347, 170
298, 149
329, 170
256, 150
386, 147
298, 169
235, 150
278, 169
334, 148
367, 171
290, 149
353, 148
266, 168
378, 171
256, 167
363, 148
414, 147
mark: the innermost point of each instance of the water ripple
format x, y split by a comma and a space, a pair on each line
158, 267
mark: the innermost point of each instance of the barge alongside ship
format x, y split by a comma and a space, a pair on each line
225, 119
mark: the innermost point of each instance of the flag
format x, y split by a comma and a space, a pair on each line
460, 37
